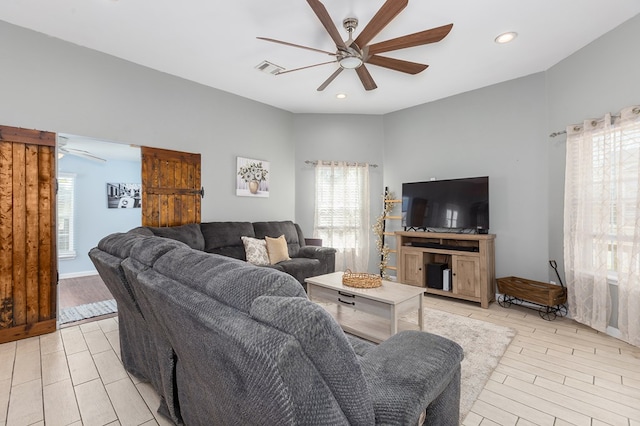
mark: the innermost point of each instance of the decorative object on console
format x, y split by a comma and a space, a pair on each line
252, 178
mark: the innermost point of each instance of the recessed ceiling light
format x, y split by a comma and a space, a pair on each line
506, 37
341, 95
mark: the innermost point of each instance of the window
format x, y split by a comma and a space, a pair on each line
342, 212
601, 223
66, 242
610, 188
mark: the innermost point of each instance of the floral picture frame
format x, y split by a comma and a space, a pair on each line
252, 177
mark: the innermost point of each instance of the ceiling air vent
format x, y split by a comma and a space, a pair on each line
269, 68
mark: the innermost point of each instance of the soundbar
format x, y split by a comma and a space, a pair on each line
443, 246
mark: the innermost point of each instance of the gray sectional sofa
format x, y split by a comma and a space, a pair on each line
224, 238
224, 342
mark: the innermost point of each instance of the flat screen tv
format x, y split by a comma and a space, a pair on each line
455, 205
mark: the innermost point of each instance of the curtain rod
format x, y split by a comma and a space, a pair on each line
554, 134
351, 163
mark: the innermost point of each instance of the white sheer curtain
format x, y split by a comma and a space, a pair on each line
602, 222
342, 212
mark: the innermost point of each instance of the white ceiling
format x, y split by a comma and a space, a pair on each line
214, 43
78, 145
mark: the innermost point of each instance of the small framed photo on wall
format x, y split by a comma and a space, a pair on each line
124, 195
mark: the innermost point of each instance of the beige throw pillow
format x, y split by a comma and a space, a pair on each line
256, 251
277, 249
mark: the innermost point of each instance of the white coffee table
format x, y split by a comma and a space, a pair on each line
389, 301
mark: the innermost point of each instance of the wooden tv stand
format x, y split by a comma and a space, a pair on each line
471, 258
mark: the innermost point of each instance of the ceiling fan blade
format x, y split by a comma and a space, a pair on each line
387, 12
286, 43
416, 39
330, 79
397, 64
327, 22
304, 68
82, 153
365, 78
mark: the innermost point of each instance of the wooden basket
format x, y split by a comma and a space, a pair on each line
361, 280
532, 291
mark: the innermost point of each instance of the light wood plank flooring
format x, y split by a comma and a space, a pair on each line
554, 373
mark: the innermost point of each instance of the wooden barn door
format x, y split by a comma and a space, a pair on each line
28, 261
171, 192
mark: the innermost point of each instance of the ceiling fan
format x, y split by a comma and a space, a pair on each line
354, 54
63, 149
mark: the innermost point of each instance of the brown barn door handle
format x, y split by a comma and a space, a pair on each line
201, 192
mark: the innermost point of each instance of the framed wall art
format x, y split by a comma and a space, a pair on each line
252, 178
124, 195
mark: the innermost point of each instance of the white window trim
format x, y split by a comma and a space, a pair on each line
67, 254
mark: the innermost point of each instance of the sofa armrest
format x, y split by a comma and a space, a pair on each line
315, 252
411, 372
326, 257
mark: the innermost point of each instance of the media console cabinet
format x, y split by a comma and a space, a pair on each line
470, 257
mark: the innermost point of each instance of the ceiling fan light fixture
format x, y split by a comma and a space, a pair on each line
506, 37
341, 96
350, 62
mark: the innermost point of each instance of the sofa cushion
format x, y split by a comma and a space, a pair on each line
277, 249
148, 250
224, 238
275, 229
301, 268
119, 244
256, 251
189, 234
321, 339
232, 282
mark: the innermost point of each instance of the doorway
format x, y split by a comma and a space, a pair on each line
97, 183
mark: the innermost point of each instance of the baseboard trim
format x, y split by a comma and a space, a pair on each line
78, 274
614, 332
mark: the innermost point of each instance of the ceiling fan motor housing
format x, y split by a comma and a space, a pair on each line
352, 57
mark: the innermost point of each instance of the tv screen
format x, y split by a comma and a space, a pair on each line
453, 205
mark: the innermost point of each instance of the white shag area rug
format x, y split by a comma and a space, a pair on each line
483, 344
90, 310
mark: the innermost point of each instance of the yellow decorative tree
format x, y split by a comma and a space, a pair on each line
379, 229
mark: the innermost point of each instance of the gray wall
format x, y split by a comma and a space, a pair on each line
602, 77
93, 220
52, 85
330, 137
497, 131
